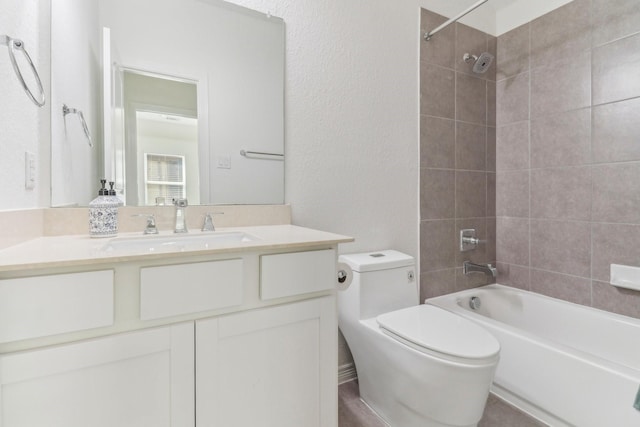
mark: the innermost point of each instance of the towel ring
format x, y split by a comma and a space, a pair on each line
13, 45
67, 110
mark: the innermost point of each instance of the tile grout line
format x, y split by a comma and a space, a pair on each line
591, 158
529, 151
455, 150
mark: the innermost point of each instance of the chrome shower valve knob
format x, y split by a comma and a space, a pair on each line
468, 239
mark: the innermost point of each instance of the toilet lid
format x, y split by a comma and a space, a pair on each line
438, 330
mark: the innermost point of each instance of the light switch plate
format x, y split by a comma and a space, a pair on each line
29, 170
223, 162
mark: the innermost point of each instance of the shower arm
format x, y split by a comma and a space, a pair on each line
429, 34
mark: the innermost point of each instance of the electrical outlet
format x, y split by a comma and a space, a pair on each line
29, 170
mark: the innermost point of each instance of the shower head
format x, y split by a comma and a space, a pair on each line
482, 62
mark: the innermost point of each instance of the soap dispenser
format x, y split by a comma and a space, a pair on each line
103, 213
112, 193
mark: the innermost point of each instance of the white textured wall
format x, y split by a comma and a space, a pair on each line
351, 118
24, 126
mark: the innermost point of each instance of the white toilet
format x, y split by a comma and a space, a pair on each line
418, 365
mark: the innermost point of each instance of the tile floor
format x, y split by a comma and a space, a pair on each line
353, 413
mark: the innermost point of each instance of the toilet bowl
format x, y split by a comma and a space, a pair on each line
417, 365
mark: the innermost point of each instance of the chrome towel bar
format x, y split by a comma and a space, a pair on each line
261, 155
14, 45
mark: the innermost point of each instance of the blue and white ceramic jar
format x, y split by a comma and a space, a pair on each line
103, 214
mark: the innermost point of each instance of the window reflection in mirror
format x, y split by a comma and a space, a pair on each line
161, 139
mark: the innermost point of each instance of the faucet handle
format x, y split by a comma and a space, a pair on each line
151, 224
468, 240
181, 203
208, 221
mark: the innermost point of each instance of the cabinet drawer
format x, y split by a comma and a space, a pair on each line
33, 307
173, 290
284, 275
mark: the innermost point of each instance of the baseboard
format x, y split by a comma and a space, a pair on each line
527, 410
347, 372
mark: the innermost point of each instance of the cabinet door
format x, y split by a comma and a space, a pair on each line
271, 367
142, 378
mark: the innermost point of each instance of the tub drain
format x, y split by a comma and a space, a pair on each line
474, 303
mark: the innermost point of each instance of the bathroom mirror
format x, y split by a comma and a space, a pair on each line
121, 62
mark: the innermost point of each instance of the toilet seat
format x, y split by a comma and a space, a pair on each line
435, 331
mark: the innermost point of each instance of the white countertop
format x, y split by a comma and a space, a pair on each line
78, 250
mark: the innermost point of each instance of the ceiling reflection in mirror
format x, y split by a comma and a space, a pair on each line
188, 85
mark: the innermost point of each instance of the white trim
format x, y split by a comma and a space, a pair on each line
527, 408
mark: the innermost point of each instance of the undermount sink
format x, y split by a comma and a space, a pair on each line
177, 242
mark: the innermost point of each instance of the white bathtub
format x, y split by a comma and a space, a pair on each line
563, 363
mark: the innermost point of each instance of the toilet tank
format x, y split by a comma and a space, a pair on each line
383, 281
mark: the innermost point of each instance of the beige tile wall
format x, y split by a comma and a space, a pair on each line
457, 146
568, 152
561, 158
19, 226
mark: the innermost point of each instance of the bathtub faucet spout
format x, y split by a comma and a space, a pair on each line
488, 269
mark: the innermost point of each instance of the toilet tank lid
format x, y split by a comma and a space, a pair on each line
379, 260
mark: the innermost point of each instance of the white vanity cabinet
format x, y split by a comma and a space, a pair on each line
141, 378
271, 367
224, 338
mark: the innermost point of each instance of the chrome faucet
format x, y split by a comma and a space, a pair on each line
488, 269
181, 216
151, 224
207, 225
